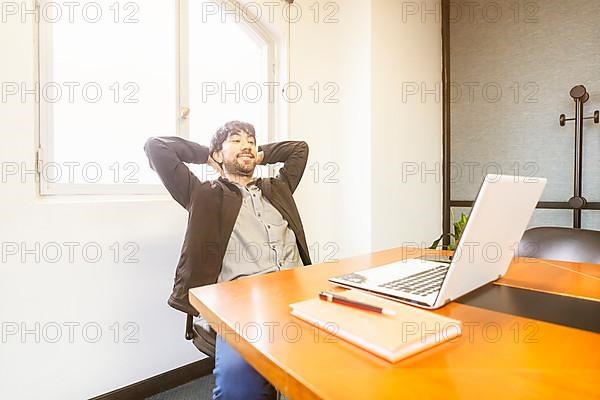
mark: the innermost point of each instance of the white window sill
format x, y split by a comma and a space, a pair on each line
99, 198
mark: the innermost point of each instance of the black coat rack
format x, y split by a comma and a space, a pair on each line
580, 95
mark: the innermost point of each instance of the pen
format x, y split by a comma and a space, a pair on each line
334, 298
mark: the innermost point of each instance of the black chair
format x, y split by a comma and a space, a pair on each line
564, 244
201, 334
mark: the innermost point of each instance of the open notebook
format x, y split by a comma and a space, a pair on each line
393, 338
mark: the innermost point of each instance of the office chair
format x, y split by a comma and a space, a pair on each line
201, 334
564, 244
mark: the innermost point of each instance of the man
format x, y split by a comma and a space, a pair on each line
238, 226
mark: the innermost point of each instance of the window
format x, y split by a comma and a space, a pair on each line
229, 65
117, 73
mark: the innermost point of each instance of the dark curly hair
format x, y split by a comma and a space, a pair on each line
216, 143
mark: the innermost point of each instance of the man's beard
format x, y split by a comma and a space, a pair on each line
241, 168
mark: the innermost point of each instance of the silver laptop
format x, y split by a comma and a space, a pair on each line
499, 217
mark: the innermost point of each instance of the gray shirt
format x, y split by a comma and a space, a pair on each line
261, 240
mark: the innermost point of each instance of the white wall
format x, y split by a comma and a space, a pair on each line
335, 204
406, 133
365, 134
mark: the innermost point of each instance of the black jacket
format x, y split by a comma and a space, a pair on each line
213, 206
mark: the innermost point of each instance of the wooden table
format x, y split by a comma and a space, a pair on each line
533, 334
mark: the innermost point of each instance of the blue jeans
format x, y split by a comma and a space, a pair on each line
236, 379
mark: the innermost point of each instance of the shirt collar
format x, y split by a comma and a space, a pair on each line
252, 183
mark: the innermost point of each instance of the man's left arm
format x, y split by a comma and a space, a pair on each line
293, 155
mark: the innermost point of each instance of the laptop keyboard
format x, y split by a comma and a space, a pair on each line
422, 283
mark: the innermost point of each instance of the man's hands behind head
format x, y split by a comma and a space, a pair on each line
215, 165
259, 157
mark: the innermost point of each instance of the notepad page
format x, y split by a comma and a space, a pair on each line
410, 331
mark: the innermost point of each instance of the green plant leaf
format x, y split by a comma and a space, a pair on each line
463, 220
459, 227
436, 243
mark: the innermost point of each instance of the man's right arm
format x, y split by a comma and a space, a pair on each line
167, 155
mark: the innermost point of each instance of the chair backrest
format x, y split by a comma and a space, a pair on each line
565, 244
